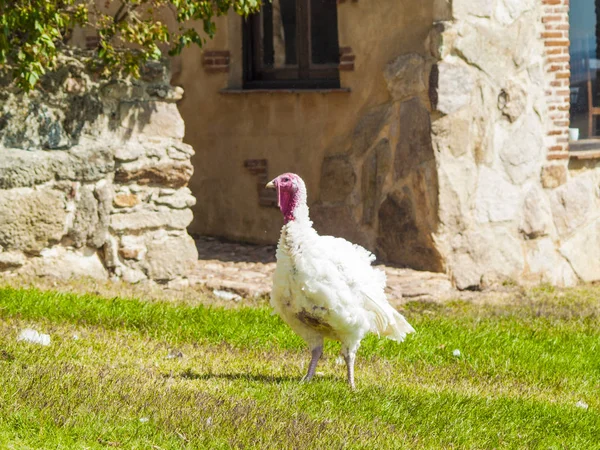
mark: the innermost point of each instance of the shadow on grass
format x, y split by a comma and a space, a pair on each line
191, 375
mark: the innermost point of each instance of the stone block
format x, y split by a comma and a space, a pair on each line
158, 119
453, 88
402, 239
129, 151
496, 200
133, 247
507, 11
62, 263
512, 101
572, 205
124, 200
31, 219
143, 220
174, 174
87, 227
546, 265
487, 48
21, 168
170, 257
368, 128
583, 252
180, 199
554, 176
374, 172
485, 256
405, 76
521, 148
11, 260
537, 215
462, 9
414, 146
337, 179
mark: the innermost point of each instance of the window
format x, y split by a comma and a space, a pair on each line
584, 36
292, 44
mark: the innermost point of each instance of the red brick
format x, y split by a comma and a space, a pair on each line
555, 156
552, 35
557, 43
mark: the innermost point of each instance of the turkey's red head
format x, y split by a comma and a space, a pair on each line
290, 193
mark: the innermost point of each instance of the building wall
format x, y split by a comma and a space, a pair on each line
514, 203
450, 151
294, 131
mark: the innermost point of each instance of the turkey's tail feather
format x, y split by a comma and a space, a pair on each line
387, 321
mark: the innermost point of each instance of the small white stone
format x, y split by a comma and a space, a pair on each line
339, 361
209, 422
581, 404
75, 337
226, 295
144, 420
174, 353
33, 336
456, 353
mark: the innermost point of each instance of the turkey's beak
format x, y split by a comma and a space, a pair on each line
270, 185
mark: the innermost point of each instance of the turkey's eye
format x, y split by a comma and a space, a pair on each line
285, 180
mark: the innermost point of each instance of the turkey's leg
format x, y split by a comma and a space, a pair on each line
349, 353
350, 366
316, 354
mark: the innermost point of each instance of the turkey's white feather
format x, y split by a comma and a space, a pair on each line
326, 287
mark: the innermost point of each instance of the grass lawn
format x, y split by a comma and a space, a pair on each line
131, 374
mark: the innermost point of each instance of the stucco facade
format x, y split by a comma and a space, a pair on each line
293, 131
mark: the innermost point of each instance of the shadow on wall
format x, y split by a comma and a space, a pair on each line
379, 185
68, 105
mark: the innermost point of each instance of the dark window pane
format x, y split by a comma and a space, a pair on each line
279, 33
584, 50
324, 32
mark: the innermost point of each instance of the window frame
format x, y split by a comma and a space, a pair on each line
304, 75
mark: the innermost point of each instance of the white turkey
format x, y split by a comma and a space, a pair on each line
325, 287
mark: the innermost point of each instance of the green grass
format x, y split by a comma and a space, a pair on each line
524, 365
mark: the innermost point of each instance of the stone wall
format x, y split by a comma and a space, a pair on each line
465, 169
508, 208
93, 178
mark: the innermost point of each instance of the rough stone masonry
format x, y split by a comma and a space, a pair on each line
465, 169
93, 178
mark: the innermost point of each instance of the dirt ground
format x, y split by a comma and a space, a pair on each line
230, 273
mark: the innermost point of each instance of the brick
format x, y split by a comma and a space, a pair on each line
557, 43
556, 50
558, 156
553, 35
216, 69
559, 59
556, 132
216, 53
555, 18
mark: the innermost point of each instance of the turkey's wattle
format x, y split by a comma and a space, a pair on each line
325, 287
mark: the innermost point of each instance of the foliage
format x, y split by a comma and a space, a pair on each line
33, 33
136, 374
